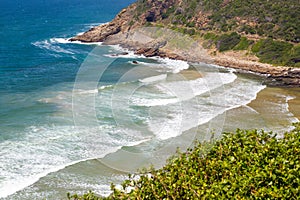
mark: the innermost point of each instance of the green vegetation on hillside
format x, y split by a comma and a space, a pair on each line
245, 164
275, 52
274, 25
267, 50
277, 19
243, 44
228, 41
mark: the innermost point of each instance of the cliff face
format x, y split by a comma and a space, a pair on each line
190, 15
117, 25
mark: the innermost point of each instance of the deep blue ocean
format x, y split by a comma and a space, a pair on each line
26, 67
75, 117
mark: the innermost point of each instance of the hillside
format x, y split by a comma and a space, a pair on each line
276, 19
253, 32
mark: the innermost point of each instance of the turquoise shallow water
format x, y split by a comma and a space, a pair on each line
75, 118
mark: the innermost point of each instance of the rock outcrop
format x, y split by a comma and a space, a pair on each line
275, 76
129, 18
102, 32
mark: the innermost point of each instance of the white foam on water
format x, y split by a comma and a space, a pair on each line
119, 53
67, 41
167, 65
95, 91
40, 153
286, 105
175, 65
153, 79
201, 109
51, 46
231, 70
12, 186
155, 102
118, 48
103, 87
59, 40
184, 90
287, 99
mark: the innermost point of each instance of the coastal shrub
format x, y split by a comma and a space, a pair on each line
164, 15
276, 18
243, 44
274, 52
191, 31
247, 164
228, 41
256, 47
248, 29
191, 24
294, 57
210, 36
88, 196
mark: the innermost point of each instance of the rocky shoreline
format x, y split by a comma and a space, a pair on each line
144, 41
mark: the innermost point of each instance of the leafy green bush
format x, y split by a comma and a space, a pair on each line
294, 57
256, 47
191, 24
228, 41
248, 29
243, 44
210, 36
242, 165
274, 52
88, 196
276, 18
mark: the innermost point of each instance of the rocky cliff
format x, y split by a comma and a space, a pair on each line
135, 15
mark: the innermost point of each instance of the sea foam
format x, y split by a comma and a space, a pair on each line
42, 154
183, 116
153, 79
184, 90
50, 45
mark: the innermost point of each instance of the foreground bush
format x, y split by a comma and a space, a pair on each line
246, 164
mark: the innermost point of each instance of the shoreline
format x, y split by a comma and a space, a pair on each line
140, 43
143, 40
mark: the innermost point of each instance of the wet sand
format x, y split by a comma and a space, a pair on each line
294, 104
270, 102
